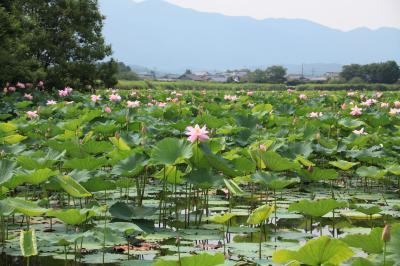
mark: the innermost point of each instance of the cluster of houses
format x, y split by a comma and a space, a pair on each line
230, 76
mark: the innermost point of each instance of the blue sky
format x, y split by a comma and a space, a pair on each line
339, 14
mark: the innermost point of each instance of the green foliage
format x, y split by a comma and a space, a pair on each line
27, 242
59, 41
316, 208
388, 72
320, 251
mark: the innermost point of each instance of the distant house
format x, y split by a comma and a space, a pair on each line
293, 77
219, 78
332, 75
193, 77
169, 77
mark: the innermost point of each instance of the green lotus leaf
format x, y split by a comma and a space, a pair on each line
276, 162
350, 123
394, 169
34, 177
371, 172
12, 139
318, 174
320, 251
98, 183
40, 159
72, 187
316, 208
7, 170
5, 208
123, 211
27, 243
97, 147
273, 181
89, 163
172, 175
343, 165
233, 187
28, 208
362, 262
171, 151
304, 161
221, 219
72, 216
371, 243
219, 163
203, 259
120, 144
260, 214
368, 210
8, 127
131, 166
202, 178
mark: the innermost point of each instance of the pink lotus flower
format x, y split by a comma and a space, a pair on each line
175, 100
231, 98
28, 96
40, 84
394, 111
161, 104
384, 105
343, 106
196, 133
68, 90
51, 102
315, 114
32, 114
397, 104
134, 104
150, 104
355, 111
351, 94
62, 93
178, 94
95, 98
262, 147
303, 97
290, 90
11, 89
360, 132
20, 85
107, 109
115, 98
369, 102
250, 93
378, 94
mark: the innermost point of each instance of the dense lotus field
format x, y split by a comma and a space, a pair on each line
199, 177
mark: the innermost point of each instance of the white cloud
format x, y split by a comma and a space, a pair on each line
340, 14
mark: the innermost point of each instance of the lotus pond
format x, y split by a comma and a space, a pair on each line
155, 177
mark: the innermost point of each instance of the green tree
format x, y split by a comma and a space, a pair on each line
14, 64
351, 71
126, 73
276, 74
64, 37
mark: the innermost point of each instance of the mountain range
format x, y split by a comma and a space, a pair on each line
158, 35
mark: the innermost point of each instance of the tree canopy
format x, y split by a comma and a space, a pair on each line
388, 72
59, 41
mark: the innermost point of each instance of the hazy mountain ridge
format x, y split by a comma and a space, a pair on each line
158, 34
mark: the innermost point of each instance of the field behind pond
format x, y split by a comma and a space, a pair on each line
188, 175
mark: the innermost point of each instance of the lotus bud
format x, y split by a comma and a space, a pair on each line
143, 130
178, 240
310, 169
386, 233
318, 136
117, 135
263, 147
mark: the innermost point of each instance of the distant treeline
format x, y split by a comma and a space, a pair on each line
388, 72
193, 85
